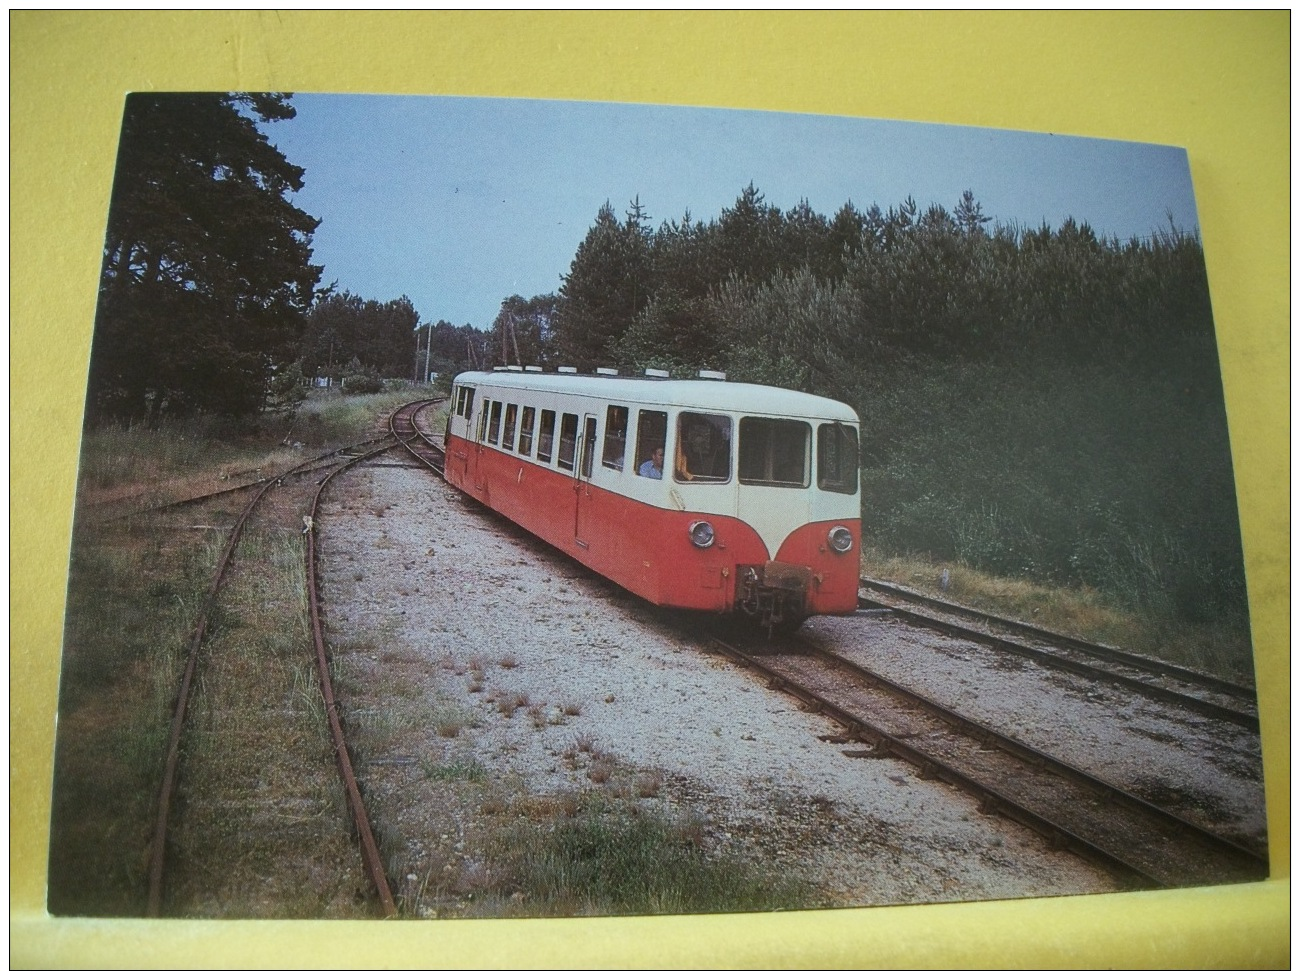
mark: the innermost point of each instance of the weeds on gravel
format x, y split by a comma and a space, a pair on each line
459, 770
603, 859
449, 721
262, 793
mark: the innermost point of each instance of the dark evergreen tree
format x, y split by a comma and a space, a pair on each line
521, 332
341, 327
207, 264
749, 238
608, 284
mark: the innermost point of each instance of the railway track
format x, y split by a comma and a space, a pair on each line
317, 463
333, 463
1068, 806
419, 443
1164, 682
1146, 843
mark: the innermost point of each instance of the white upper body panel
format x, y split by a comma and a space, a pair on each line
772, 510
751, 399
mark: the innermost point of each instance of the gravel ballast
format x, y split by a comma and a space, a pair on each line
462, 641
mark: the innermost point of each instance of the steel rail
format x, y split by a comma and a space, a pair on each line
1100, 651
171, 761
1029, 754
303, 468
1158, 692
435, 460
989, 798
365, 834
1230, 859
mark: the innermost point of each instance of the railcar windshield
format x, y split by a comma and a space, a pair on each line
775, 452
837, 458
703, 452
464, 401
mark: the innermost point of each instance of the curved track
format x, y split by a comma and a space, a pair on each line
1065, 804
402, 429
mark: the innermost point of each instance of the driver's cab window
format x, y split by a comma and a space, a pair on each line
703, 449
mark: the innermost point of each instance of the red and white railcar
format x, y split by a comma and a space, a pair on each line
700, 494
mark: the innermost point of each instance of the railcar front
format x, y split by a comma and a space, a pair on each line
698, 494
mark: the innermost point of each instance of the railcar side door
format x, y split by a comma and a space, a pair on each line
480, 436
583, 498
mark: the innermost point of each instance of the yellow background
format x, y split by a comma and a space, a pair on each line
1214, 83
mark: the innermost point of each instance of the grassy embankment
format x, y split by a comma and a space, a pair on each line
1089, 499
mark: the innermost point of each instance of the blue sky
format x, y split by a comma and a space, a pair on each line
459, 203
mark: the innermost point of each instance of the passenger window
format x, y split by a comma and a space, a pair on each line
568, 440
615, 450
651, 435
508, 435
526, 431
494, 423
774, 452
482, 420
546, 437
703, 450
837, 458
588, 446
464, 402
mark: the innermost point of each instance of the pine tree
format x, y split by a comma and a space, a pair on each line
207, 264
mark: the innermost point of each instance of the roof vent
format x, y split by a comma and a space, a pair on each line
513, 367
607, 371
714, 375
567, 370
533, 369
654, 372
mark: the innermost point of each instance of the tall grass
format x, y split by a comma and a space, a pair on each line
330, 417
173, 452
119, 453
133, 598
1219, 646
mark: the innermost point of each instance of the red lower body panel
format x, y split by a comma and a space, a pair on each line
644, 548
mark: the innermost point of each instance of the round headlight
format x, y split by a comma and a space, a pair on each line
702, 534
841, 539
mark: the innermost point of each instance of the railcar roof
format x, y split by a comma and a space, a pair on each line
695, 393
